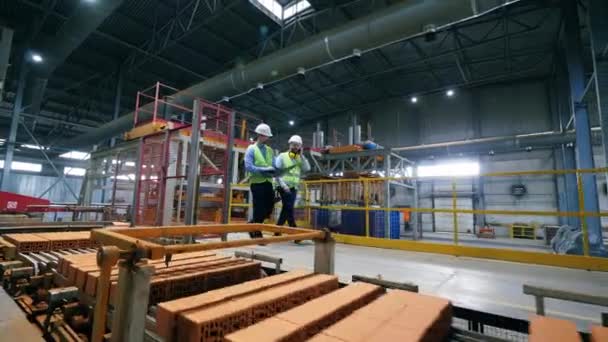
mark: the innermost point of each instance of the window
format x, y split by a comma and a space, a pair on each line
75, 155
277, 12
296, 8
21, 166
74, 171
449, 169
34, 147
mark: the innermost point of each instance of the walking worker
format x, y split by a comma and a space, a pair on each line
258, 164
290, 165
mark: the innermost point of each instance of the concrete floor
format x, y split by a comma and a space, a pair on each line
14, 326
484, 285
499, 242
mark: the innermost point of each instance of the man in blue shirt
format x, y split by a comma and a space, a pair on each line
259, 166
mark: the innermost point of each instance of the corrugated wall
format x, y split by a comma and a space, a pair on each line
35, 185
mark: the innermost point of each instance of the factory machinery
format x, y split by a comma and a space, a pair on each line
142, 284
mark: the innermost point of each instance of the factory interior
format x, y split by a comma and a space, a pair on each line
295, 170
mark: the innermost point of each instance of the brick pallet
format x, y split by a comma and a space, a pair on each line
28, 242
187, 274
395, 316
306, 320
49, 241
213, 323
168, 311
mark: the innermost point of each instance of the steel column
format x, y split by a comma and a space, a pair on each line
131, 304
117, 98
16, 117
229, 169
599, 44
193, 167
576, 74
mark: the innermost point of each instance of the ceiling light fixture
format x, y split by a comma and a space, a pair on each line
37, 58
450, 93
414, 99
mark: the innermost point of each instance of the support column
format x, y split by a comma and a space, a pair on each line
131, 304
229, 175
325, 251
571, 196
598, 12
117, 98
193, 167
573, 48
16, 117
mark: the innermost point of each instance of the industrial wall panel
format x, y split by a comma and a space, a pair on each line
508, 110
541, 192
444, 222
34, 185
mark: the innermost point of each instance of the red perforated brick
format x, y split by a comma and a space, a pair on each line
28, 242
599, 334
213, 323
161, 288
544, 329
168, 311
304, 321
396, 316
161, 270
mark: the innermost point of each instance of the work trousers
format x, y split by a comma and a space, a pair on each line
263, 204
288, 200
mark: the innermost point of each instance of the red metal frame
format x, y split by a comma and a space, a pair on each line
15, 203
214, 124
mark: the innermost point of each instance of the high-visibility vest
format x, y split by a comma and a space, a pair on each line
291, 177
260, 160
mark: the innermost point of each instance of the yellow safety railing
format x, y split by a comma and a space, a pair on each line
367, 206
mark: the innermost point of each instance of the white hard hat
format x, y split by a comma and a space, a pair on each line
296, 139
263, 129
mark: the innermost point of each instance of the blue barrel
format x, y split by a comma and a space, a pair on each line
353, 222
377, 226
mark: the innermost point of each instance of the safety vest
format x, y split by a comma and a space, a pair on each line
260, 160
291, 177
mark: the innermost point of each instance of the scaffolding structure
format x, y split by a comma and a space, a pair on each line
395, 189
168, 172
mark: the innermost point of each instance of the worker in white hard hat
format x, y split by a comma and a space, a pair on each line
259, 166
290, 165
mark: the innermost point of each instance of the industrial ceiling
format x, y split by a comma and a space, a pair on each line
182, 43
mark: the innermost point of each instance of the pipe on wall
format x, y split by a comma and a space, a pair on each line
381, 28
483, 145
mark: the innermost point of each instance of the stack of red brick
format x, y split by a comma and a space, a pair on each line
297, 306
50, 241
187, 274
547, 329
